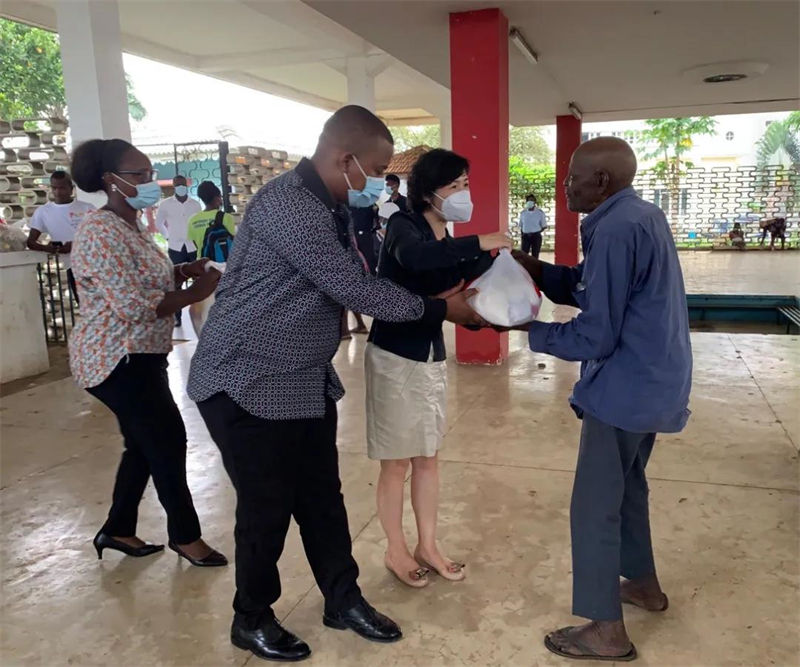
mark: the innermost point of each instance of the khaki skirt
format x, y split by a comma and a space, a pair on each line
406, 404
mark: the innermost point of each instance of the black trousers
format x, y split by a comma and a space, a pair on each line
181, 257
280, 470
73, 287
137, 392
609, 518
532, 244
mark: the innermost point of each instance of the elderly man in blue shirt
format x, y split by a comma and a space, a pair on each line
632, 339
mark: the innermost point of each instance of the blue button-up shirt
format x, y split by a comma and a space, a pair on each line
532, 221
632, 335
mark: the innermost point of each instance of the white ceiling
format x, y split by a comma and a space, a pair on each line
616, 59
283, 47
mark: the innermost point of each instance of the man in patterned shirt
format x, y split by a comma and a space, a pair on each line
265, 386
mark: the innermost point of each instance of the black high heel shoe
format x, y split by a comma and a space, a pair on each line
214, 559
103, 541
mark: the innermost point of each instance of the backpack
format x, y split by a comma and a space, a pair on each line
218, 241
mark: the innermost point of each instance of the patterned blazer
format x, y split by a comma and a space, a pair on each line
275, 326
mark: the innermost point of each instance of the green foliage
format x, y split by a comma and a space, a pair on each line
780, 144
31, 76
31, 81
525, 179
410, 136
529, 145
526, 143
670, 139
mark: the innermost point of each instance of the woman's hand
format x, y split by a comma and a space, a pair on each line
495, 241
204, 284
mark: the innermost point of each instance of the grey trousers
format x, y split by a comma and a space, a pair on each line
609, 518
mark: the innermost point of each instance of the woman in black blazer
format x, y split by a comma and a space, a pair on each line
406, 373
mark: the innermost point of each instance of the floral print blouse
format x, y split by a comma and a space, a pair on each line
122, 276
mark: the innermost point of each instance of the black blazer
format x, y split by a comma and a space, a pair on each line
412, 257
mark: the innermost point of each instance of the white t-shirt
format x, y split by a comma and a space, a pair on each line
172, 221
60, 221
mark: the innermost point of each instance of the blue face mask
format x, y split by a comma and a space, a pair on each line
181, 191
529, 205
147, 194
389, 190
369, 195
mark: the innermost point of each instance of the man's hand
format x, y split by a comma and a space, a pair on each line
194, 269
204, 285
460, 312
519, 327
530, 264
450, 292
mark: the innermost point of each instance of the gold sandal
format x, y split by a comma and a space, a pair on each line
455, 571
415, 578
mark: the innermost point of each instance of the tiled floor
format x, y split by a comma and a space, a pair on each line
724, 505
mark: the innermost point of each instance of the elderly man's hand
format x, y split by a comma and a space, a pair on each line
532, 265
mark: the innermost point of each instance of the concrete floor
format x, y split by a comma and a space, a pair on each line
725, 512
724, 505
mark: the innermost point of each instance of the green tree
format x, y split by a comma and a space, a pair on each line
529, 145
526, 143
525, 178
31, 77
670, 139
410, 136
780, 144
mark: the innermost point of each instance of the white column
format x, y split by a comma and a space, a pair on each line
446, 131
94, 78
360, 83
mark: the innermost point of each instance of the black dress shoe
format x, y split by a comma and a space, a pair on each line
365, 621
214, 559
103, 541
269, 641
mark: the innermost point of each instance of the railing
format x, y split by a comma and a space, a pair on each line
708, 202
59, 308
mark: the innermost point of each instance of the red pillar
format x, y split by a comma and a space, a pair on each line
479, 94
568, 138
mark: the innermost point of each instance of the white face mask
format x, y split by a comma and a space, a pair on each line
457, 207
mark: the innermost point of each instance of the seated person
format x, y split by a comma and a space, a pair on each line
736, 236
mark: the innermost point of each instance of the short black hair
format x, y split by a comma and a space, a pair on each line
433, 170
178, 177
393, 178
94, 158
532, 197
353, 127
208, 191
61, 175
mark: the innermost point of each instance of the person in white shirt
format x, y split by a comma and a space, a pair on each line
59, 219
532, 223
172, 220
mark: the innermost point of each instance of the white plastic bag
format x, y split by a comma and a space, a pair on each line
506, 294
198, 312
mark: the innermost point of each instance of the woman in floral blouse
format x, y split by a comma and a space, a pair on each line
118, 350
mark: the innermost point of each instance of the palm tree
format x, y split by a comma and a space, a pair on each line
780, 144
